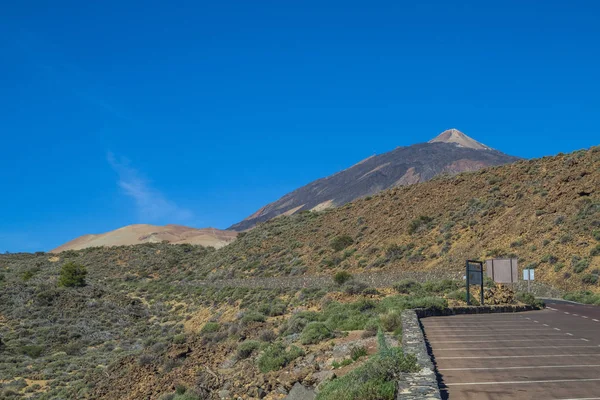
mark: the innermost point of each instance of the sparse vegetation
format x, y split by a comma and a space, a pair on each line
161, 311
374, 380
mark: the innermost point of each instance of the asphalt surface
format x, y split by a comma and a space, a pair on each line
548, 354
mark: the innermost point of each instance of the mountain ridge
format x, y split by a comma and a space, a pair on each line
451, 152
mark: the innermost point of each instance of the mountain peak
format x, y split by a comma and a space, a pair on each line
460, 139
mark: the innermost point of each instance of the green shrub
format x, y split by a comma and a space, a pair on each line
529, 299
297, 322
550, 259
272, 309
596, 235
342, 277
595, 251
267, 335
32, 351
188, 395
27, 275
210, 327
72, 275
391, 321
348, 316
589, 279
180, 338
354, 287
276, 357
517, 243
429, 302
253, 316
358, 352
245, 349
407, 286
418, 223
343, 363
580, 265
566, 238
396, 252
585, 297
558, 266
460, 295
314, 333
443, 286
339, 243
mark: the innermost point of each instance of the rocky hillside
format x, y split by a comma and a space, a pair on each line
449, 153
143, 233
161, 321
546, 212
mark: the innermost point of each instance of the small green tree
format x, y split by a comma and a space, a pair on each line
72, 275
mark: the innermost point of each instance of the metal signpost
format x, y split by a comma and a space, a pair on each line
474, 276
528, 275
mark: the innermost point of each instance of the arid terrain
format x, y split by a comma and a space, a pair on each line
182, 321
143, 233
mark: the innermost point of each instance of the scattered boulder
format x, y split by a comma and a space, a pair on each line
300, 392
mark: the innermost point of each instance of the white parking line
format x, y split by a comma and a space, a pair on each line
546, 325
529, 356
570, 334
488, 330
522, 367
583, 316
566, 312
442, 327
556, 329
595, 320
505, 340
493, 335
512, 348
522, 382
583, 398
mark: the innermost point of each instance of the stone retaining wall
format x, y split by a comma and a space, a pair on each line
423, 384
422, 313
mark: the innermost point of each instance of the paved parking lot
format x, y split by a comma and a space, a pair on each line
549, 354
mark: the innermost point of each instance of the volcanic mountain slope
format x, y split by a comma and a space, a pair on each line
142, 233
546, 212
449, 153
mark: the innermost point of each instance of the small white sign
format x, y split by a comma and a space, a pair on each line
528, 274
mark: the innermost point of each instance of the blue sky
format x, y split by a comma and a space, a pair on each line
199, 113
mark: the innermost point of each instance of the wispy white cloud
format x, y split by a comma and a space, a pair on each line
152, 205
